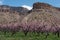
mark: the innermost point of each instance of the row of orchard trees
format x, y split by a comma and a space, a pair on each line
34, 26
41, 27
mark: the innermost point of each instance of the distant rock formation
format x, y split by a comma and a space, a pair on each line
43, 7
20, 10
39, 5
5, 8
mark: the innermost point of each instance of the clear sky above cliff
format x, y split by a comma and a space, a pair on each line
28, 2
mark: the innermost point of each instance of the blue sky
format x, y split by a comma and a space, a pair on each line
28, 2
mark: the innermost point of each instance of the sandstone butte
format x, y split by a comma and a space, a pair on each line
43, 15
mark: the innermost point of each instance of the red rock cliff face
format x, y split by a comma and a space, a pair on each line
39, 5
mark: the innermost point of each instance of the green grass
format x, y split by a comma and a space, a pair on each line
30, 36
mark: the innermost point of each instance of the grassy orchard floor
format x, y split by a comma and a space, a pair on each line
30, 36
